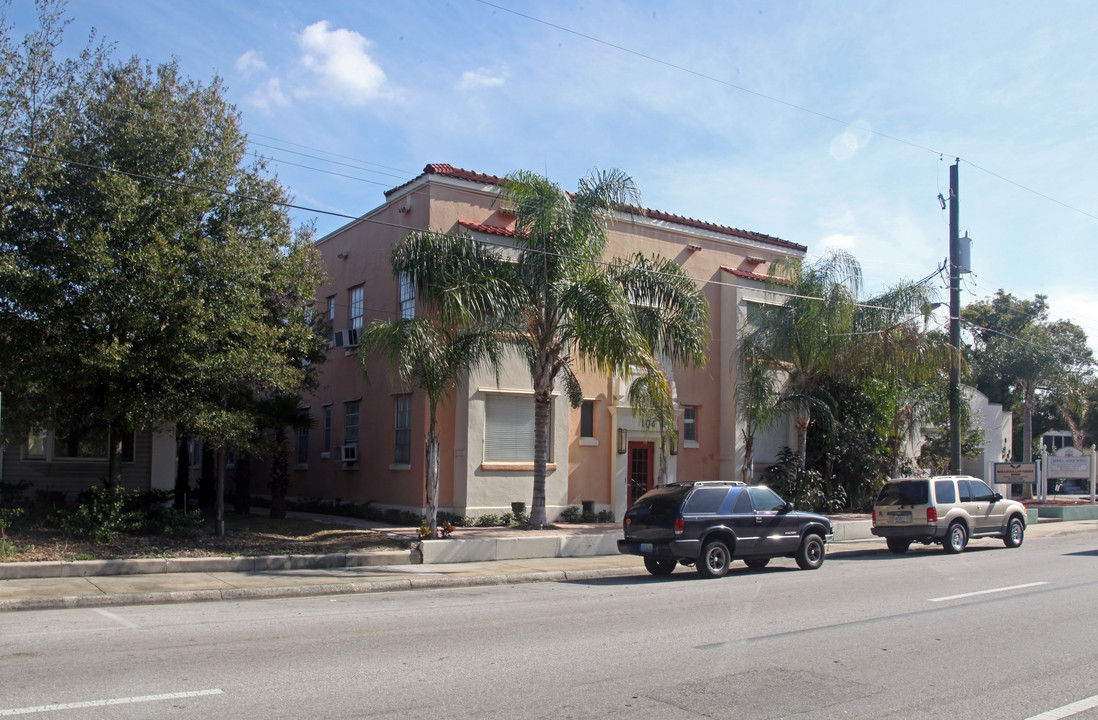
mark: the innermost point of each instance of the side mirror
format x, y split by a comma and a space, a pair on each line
786, 508
998, 497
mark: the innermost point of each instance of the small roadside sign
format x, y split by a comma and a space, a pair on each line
1016, 473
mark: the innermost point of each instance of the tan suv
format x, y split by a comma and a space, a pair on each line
946, 509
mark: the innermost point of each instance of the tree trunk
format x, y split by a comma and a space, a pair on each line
804, 418
182, 473
542, 405
432, 476
747, 471
1027, 434
114, 464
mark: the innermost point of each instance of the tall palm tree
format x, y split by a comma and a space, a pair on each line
552, 297
428, 355
822, 331
756, 405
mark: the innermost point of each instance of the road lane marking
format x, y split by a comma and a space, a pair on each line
111, 701
1068, 710
986, 592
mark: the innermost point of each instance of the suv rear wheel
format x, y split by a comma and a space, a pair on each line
715, 559
956, 538
810, 555
898, 546
659, 566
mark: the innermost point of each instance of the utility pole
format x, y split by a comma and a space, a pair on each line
954, 324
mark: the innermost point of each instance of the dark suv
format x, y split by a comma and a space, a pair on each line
710, 524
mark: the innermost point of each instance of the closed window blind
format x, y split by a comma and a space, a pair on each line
509, 428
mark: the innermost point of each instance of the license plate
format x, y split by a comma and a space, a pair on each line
901, 518
646, 547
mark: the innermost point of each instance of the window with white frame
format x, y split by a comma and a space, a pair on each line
509, 428
35, 448
354, 314
402, 443
587, 419
407, 297
690, 424
88, 443
331, 320
350, 423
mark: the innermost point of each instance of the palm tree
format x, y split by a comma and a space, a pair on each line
822, 332
651, 400
281, 413
756, 405
553, 299
429, 355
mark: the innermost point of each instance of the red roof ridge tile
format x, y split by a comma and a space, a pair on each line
462, 174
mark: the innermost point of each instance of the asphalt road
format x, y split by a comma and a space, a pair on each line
989, 633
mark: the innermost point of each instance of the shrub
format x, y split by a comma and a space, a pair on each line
489, 520
102, 514
605, 516
9, 518
570, 515
11, 494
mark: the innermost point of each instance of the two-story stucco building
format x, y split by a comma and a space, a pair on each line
368, 439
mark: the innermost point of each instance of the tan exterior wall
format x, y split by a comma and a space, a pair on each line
582, 469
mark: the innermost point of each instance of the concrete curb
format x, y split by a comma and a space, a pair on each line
297, 591
152, 566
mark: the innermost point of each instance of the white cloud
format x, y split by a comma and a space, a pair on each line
339, 60
847, 144
249, 62
838, 242
482, 77
268, 95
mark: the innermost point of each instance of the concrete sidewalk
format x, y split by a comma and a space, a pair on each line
212, 583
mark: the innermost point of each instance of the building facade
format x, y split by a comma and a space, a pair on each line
368, 438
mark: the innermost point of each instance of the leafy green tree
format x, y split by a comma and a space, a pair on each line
555, 301
822, 333
430, 355
149, 272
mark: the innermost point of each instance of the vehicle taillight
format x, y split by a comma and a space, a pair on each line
679, 526
932, 514
873, 519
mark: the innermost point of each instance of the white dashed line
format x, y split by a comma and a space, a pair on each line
112, 701
1068, 710
986, 592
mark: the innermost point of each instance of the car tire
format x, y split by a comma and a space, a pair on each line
898, 546
810, 555
1015, 534
756, 563
715, 559
956, 538
659, 566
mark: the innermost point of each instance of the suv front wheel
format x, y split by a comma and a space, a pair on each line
714, 560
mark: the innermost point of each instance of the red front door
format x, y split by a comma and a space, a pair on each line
640, 469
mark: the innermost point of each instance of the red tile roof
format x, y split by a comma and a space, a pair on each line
750, 275
469, 175
490, 229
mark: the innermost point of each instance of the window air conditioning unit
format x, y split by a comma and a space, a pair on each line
349, 453
338, 339
352, 337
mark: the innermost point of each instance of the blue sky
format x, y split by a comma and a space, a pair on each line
827, 124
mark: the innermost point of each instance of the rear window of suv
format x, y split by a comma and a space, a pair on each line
908, 492
705, 500
667, 498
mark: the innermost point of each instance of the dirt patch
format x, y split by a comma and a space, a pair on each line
243, 536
